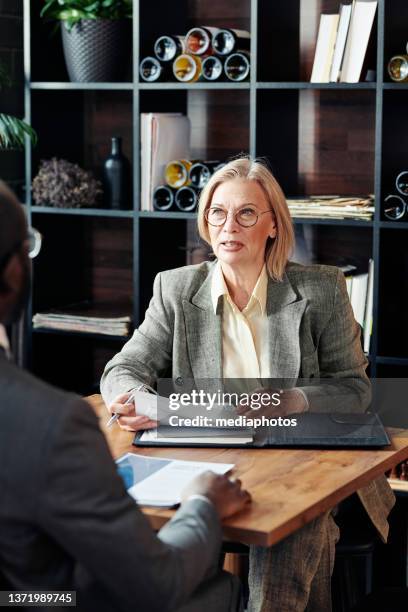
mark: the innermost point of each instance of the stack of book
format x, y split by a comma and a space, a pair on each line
333, 207
84, 317
342, 42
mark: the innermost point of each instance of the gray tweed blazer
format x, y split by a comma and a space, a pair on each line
312, 334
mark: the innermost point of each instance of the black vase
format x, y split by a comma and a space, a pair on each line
116, 174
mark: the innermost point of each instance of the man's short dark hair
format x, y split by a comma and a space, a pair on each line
13, 228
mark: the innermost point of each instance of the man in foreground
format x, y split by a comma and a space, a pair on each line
66, 521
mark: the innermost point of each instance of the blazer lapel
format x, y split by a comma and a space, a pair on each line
284, 310
203, 332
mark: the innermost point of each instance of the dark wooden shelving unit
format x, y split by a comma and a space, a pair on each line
319, 138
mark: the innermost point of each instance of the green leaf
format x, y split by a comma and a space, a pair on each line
13, 132
92, 7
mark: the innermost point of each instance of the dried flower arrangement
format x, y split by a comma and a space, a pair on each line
62, 184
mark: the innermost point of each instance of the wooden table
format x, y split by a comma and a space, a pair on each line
289, 487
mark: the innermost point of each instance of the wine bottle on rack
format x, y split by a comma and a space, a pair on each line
398, 68
176, 173
187, 68
152, 70
212, 68
186, 199
228, 41
166, 48
201, 172
198, 40
401, 183
116, 177
237, 66
163, 198
394, 207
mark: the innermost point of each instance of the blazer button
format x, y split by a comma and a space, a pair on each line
179, 381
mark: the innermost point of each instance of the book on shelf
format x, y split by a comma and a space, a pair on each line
326, 39
358, 296
86, 317
361, 23
368, 315
360, 291
163, 137
340, 44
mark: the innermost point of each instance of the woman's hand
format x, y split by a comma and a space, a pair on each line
130, 421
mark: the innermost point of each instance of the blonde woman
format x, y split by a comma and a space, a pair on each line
253, 314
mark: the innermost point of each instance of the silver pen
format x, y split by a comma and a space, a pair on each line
116, 415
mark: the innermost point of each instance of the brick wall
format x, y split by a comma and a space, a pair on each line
12, 99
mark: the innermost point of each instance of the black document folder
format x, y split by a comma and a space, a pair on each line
313, 430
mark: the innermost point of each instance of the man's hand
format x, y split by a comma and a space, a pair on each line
130, 421
225, 493
280, 403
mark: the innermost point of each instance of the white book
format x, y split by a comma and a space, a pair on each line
163, 138
359, 296
368, 315
326, 39
145, 159
362, 19
160, 482
342, 30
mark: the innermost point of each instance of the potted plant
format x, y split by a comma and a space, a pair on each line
13, 130
96, 37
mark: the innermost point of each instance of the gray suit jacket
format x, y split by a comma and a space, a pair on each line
66, 521
312, 334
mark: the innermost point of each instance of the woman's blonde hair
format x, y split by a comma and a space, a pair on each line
278, 249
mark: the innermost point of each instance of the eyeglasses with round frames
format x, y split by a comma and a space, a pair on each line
245, 217
34, 242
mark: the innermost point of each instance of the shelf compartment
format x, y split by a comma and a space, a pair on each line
83, 136
46, 52
83, 258
287, 35
394, 146
324, 244
219, 119
395, 34
318, 142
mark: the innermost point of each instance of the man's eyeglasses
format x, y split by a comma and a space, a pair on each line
245, 217
34, 240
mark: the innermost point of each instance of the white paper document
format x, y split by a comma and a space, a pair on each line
159, 482
189, 437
